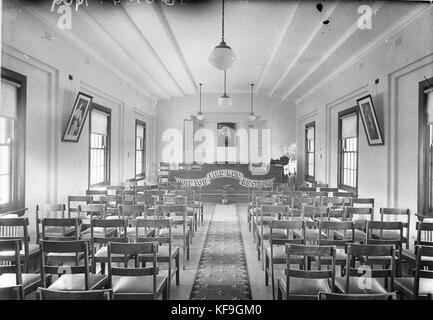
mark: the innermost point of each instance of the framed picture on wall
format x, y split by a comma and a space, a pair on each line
77, 118
226, 134
369, 119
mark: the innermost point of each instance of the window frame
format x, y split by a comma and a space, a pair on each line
307, 176
340, 154
141, 175
19, 147
107, 181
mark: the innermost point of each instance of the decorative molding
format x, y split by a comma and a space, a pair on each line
292, 11
408, 18
304, 47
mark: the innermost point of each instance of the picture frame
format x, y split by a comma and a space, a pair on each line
77, 118
369, 120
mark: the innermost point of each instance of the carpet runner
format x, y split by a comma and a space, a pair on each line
222, 271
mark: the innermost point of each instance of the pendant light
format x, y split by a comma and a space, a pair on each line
252, 116
222, 56
200, 115
224, 101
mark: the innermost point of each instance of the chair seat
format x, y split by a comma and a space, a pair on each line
310, 234
307, 287
140, 284
76, 282
97, 232
356, 286
409, 255
405, 285
279, 255
277, 233
30, 280
179, 219
387, 234
102, 255
59, 231
360, 236
175, 232
10, 255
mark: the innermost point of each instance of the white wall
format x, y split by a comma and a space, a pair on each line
56, 169
387, 173
279, 118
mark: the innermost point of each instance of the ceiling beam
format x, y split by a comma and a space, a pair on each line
292, 11
151, 50
168, 30
408, 18
89, 18
316, 30
353, 28
89, 51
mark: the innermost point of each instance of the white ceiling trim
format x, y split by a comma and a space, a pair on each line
293, 8
152, 51
408, 18
166, 25
330, 52
87, 50
316, 30
89, 18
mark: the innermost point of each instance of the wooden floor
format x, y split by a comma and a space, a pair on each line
255, 272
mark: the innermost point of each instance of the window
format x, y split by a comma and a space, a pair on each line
12, 140
310, 146
99, 146
140, 149
348, 150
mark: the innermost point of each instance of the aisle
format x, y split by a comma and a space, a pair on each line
222, 272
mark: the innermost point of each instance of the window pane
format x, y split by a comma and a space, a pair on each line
4, 189
5, 159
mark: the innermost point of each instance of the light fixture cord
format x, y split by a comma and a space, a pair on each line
225, 79
222, 25
200, 84
252, 97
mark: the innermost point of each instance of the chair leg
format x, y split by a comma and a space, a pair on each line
272, 280
266, 270
280, 292
165, 294
177, 270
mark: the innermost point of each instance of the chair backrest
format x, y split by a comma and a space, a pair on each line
96, 195
308, 251
120, 226
147, 200
423, 266
424, 234
307, 189
298, 202
344, 195
131, 210
289, 227
363, 203
21, 226
133, 250
92, 210
357, 252
331, 228
111, 203
141, 189
331, 191
172, 210
79, 247
320, 185
112, 190
314, 212
380, 238
361, 296
13, 264
317, 194
49, 294
395, 214
158, 224
75, 201
277, 211
358, 214
61, 223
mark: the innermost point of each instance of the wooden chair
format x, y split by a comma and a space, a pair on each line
100, 236
192, 203
306, 284
424, 238
391, 214
96, 195
167, 253
327, 237
71, 278
30, 251
130, 212
253, 208
320, 185
15, 284
312, 215
307, 189
136, 283
266, 214
74, 202
141, 190
88, 212
276, 250
331, 191
180, 230
193, 214
379, 228
112, 190
360, 217
147, 200
345, 296
420, 286
111, 203
363, 203
363, 279
48, 294
128, 196
336, 207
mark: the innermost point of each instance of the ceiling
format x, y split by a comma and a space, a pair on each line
284, 47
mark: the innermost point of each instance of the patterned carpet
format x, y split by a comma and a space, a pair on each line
222, 272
